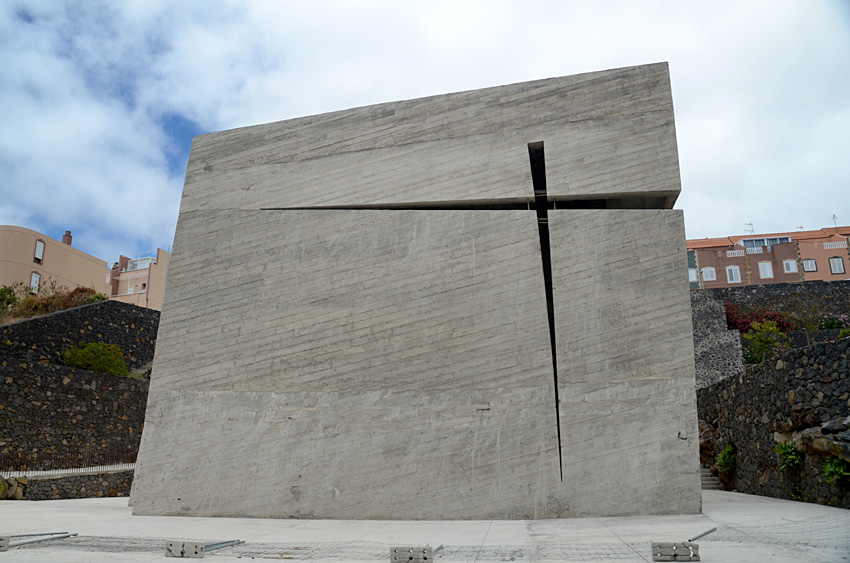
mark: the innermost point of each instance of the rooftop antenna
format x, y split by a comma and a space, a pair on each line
749, 228
834, 220
800, 228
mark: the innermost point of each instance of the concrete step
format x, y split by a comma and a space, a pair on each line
709, 481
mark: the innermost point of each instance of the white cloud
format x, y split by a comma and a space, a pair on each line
762, 101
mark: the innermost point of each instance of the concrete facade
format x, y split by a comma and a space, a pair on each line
403, 330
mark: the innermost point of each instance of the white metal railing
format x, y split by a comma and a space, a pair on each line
828, 245
133, 257
94, 470
734, 253
756, 250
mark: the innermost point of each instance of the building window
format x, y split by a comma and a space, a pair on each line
765, 270
756, 242
836, 265
693, 276
139, 264
39, 252
733, 274
708, 274
35, 278
790, 266
810, 265
144, 286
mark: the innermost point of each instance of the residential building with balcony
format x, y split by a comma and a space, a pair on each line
35, 259
758, 259
139, 280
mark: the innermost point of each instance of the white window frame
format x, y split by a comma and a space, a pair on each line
38, 257
789, 266
35, 280
139, 264
834, 262
810, 265
765, 270
709, 274
693, 275
735, 272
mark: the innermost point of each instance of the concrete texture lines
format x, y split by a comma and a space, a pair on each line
362, 360
374, 351
429, 296
624, 358
608, 141
354, 450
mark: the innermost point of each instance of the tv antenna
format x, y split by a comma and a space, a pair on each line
834, 221
750, 230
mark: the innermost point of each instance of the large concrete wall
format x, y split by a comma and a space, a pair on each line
627, 409
391, 357
608, 133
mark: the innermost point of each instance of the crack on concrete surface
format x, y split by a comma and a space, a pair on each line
610, 202
537, 160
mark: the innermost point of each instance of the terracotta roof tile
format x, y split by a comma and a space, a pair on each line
824, 233
708, 242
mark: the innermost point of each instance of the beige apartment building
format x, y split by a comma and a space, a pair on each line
757, 259
139, 280
34, 259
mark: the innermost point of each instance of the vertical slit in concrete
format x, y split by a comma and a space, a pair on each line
538, 180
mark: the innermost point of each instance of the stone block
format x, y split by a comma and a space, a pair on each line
417, 554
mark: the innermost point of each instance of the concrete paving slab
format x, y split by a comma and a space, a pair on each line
750, 528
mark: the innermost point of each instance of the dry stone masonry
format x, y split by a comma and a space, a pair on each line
468, 306
801, 398
54, 417
42, 339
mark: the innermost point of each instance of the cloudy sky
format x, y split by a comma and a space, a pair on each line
99, 100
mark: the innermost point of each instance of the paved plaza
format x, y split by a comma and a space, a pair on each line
749, 528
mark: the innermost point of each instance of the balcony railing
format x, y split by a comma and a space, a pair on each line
756, 250
734, 253
841, 244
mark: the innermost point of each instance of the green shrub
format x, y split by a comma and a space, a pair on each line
18, 302
767, 341
844, 332
97, 298
96, 356
833, 322
726, 459
834, 469
7, 297
789, 456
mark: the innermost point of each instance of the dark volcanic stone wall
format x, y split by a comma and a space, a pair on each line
80, 486
50, 413
43, 339
717, 350
791, 395
829, 297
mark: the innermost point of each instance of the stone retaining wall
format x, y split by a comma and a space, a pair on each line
829, 297
44, 338
80, 486
49, 411
786, 399
717, 350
